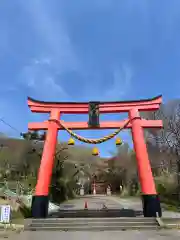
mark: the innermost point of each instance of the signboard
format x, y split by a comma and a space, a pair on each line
93, 114
5, 213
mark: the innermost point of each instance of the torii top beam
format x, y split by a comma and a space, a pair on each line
104, 107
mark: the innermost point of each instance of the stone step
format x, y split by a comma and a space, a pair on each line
91, 224
93, 228
84, 220
98, 210
96, 213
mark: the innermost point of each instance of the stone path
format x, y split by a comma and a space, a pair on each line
96, 202
93, 202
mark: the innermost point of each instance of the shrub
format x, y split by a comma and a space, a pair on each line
166, 185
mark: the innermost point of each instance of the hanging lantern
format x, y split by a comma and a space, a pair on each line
71, 141
118, 141
95, 152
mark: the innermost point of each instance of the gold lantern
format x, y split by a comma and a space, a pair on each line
71, 141
95, 151
118, 141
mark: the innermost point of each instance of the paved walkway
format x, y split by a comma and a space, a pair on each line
93, 202
112, 202
135, 235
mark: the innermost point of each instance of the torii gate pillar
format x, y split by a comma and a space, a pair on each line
150, 199
40, 201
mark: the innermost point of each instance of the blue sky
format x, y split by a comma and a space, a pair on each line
66, 50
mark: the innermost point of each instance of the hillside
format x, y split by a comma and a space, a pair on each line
17, 152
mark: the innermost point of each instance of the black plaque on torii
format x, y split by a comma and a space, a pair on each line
93, 114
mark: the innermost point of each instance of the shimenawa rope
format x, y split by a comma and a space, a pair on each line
92, 141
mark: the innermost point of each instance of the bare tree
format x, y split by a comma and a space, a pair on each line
164, 144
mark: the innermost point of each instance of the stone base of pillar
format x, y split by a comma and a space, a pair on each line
151, 206
39, 207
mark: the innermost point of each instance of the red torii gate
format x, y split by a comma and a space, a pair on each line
150, 200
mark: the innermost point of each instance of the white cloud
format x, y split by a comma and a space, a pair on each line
41, 73
97, 89
53, 35
121, 83
58, 57
51, 84
40, 77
